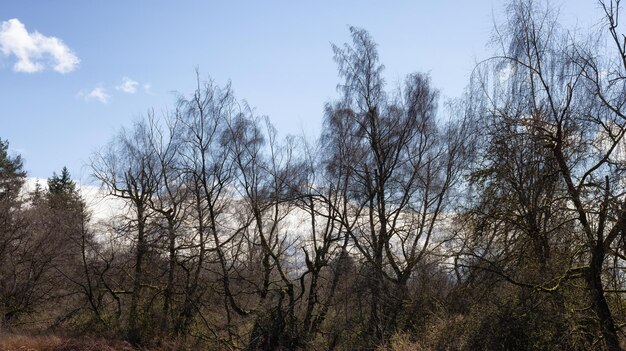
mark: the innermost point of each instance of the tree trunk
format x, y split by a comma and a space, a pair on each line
170, 275
600, 305
133, 329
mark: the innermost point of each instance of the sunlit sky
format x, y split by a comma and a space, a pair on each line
73, 72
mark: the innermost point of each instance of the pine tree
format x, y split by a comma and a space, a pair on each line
62, 193
12, 225
61, 184
12, 175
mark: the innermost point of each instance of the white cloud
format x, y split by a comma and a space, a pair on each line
101, 206
98, 93
35, 51
506, 72
101, 94
128, 86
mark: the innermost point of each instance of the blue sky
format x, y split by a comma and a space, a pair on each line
115, 60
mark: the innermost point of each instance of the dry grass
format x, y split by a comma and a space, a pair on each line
29, 343
53, 343
401, 342
93, 345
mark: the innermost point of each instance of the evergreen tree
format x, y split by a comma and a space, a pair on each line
61, 184
12, 175
12, 225
62, 193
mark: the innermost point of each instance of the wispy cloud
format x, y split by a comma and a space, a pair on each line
34, 51
98, 94
128, 86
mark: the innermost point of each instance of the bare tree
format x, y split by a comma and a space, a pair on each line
264, 179
401, 165
554, 94
127, 170
171, 195
205, 164
322, 196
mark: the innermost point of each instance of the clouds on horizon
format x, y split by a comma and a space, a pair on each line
34, 51
101, 206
